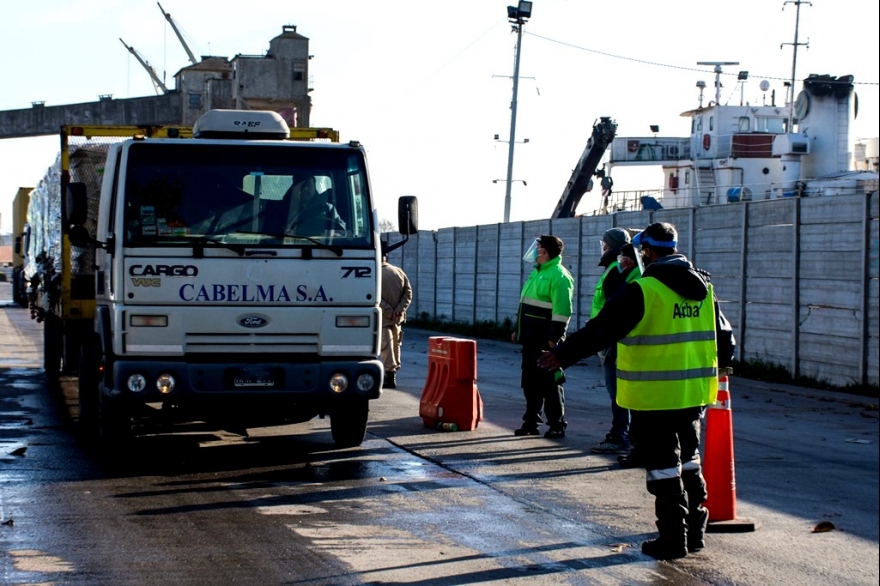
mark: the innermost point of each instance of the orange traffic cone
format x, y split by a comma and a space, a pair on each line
718, 465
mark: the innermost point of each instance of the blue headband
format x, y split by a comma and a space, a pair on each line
642, 238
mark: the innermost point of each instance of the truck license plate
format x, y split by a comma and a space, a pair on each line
251, 377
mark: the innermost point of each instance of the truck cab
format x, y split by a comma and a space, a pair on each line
237, 280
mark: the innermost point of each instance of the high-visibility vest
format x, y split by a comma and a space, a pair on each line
599, 293
669, 360
545, 303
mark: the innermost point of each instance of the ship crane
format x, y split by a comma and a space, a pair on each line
579, 183
192, 58
157, 83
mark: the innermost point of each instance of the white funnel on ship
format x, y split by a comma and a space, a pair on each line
825, 110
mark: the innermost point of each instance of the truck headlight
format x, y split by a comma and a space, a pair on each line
338, 382
136, 383
365, 382
165, 383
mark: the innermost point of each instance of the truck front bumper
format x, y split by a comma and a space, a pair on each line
224, 380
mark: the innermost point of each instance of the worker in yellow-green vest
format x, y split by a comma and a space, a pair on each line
611, 283
665, 325
541, 323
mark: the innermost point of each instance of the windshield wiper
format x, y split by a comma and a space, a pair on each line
307, 252
334, 248
199, 246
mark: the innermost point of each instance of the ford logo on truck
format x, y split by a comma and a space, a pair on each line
252, 321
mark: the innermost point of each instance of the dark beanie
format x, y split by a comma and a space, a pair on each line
616, 238
552, 244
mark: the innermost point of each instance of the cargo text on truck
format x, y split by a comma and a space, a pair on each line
226, 273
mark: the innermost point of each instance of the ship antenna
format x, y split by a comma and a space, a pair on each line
795, 44
717, 72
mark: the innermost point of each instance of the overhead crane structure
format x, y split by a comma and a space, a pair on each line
581, 178
157, 82
189, 53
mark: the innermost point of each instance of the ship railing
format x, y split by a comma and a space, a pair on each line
625, 201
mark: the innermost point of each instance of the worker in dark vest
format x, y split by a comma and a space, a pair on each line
667, 371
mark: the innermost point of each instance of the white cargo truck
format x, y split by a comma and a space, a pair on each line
232, 275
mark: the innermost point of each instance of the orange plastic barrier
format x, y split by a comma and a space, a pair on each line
450, 397
718, 464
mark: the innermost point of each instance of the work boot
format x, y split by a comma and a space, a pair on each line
555, 432
527, 429
631, 460
697, 521
671, 544
611, 445
390, 381
664, 549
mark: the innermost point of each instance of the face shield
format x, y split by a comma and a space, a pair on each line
531, 255
641, 239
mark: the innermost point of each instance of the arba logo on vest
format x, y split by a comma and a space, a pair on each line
685, 310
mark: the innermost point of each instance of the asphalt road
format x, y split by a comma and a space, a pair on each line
418, 506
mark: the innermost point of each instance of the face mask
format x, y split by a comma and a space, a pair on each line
531, 255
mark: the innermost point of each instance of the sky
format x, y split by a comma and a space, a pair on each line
426, 86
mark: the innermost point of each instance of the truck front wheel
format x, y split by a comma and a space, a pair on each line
88, 391
114, 420
52, 344
348, 423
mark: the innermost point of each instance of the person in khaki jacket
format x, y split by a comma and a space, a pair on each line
397, 294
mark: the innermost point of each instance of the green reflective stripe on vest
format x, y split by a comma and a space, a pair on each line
665, 375
669, 360
669, 338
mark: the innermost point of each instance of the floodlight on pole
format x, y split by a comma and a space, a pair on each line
517, 15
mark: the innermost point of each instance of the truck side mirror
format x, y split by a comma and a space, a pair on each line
408, 214
76, 204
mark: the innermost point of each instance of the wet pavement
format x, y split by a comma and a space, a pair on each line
413, 505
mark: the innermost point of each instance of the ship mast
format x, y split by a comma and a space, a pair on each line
717, 71
795, 44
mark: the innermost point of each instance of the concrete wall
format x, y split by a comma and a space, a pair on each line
796, 277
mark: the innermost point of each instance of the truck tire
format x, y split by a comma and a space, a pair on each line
87, 391
114, 421
52, 343
348, 424
17, 289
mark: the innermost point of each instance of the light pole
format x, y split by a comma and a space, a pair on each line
517, 15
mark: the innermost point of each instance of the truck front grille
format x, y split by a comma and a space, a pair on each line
251, 343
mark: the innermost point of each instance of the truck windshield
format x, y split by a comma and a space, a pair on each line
262, 194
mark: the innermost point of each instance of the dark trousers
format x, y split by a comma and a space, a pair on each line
669, 443
543, 390
619, 415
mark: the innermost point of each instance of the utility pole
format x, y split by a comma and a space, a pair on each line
517, 16
797, 22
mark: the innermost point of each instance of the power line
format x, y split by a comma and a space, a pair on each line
654, 63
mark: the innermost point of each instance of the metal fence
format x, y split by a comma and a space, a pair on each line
796, 277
